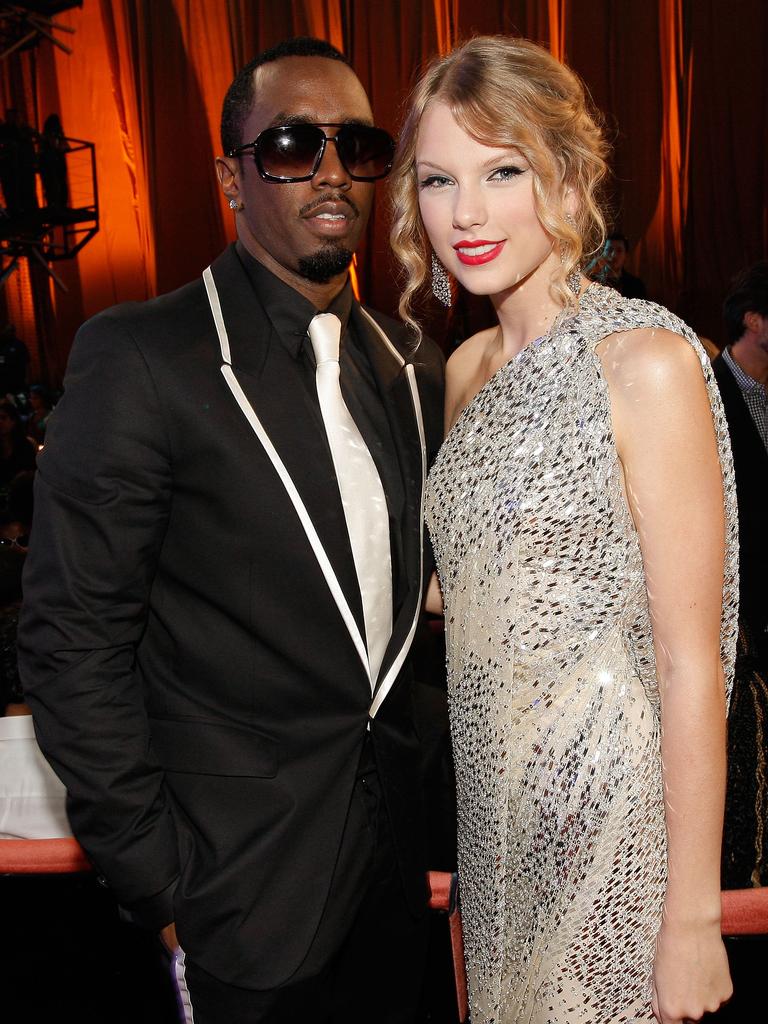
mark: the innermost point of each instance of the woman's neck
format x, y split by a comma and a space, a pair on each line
528, 310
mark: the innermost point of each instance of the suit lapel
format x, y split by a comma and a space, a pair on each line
301, 460
396, 381
291, 433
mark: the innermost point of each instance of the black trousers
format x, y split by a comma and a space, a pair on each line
366, 962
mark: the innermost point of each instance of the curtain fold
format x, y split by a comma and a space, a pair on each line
128, 114
628, 92
446, 22
557, 28
727, 214
662, 244
209, 54
387, 45
322, 19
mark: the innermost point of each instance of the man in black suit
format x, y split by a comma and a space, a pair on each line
214, 671
742, 376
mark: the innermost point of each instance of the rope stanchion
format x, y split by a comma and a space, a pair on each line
42, 857
744, 911
443, 889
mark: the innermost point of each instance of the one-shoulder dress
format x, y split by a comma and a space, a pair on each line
553, 695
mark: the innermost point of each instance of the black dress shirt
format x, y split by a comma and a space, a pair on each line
290, 314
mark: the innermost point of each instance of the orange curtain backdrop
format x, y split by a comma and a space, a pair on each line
682, 85
387, 45
446, 21
113, 78
727, 223
207, 40
325, 21
25, 296
661, 248
628, 92
173, 138
529, 18
557, 28
81, 87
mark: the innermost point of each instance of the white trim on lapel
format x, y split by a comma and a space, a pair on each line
388, 681
256, 425
218, 316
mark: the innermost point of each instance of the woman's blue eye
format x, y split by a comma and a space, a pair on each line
507, 173
433, 181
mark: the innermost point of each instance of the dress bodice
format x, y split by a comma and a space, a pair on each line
526, 508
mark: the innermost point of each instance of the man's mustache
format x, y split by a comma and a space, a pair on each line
328, 197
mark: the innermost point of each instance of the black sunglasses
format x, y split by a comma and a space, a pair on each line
293, 152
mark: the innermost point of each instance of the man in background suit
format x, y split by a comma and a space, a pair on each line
742, 375
216, 664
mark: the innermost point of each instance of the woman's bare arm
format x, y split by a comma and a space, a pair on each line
666, 442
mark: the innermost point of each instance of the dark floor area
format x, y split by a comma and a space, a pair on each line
748, 957
65, 955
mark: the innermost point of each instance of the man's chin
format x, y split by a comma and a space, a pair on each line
325, 264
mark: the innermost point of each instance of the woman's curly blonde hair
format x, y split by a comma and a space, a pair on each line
508, 92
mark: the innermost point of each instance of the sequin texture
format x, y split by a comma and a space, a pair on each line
553, 695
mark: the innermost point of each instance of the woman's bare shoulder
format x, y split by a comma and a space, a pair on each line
466, 363
463, 373
467, 356
649, 357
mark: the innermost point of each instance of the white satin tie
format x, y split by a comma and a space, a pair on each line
362, 496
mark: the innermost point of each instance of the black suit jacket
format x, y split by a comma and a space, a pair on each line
192, 678
750, 463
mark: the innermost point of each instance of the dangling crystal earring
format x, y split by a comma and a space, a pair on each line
573, 280
441, 283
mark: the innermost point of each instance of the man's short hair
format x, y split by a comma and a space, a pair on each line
617, 236
748, 294
240, 95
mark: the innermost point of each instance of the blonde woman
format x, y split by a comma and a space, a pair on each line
582, 515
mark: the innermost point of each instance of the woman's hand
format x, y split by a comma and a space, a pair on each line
690, 972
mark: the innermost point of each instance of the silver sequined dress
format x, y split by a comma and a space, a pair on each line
552, 689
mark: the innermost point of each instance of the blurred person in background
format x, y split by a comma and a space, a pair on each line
609, 268
17, 452
14, 362
742, 376
41, 407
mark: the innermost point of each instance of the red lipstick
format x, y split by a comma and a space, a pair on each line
477, 251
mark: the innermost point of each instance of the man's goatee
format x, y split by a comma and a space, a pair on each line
325, 264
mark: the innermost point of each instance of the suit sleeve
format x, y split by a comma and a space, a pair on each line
102, 499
